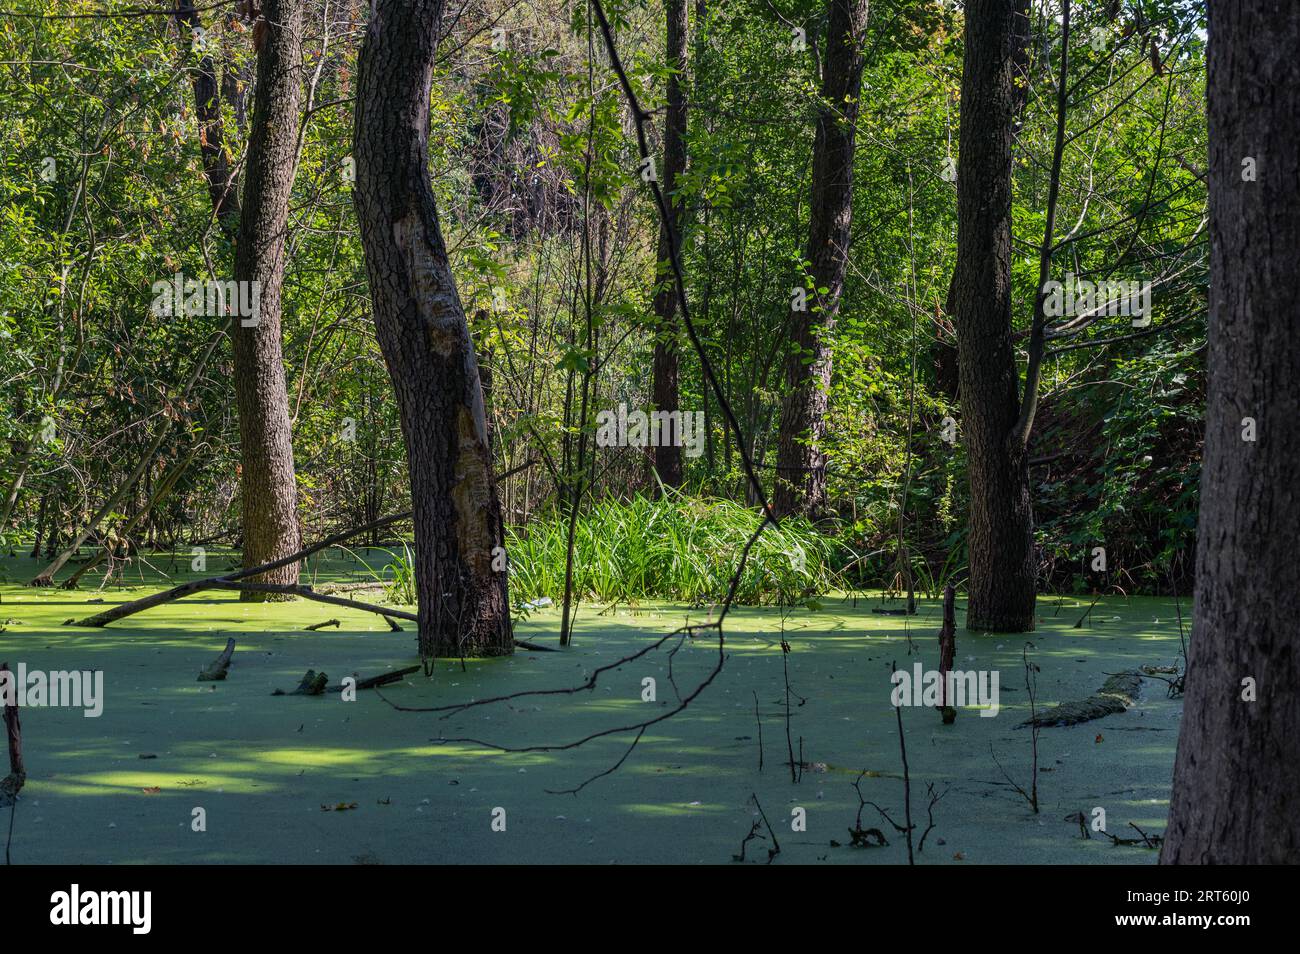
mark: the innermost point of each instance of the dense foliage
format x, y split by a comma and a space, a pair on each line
553, 245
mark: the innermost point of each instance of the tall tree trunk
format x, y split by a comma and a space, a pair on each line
268, 486
421, 327
1238, 765
1001, 541
267, 454
800, 459
668, 456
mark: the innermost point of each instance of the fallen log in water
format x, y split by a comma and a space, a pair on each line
217, 669
374, 682
231, 581
1118, 693
312, 684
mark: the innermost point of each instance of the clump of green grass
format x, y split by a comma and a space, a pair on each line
397, 577
675, 548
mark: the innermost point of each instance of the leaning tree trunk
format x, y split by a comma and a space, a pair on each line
268, 485
800, 459
1238, 766
1001, 540
422, 330
668, 455
20, 465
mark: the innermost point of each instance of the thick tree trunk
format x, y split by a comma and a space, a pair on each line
268, 486
800, 459
1238, 766
421, 327
668, 456
1001, 541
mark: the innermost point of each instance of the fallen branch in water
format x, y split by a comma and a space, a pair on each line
1078, 624
217, 669
535, 647
1146, 841
312, 684
374, 682
1118, 693
229, 581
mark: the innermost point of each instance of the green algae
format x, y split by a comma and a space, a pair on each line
263, 767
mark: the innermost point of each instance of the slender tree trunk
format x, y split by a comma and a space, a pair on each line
269, 490
21, 465
268, 484
421, 327
1001, 541
800, 459
40, 526
54, 517
668, 456
223, 189
1238, 766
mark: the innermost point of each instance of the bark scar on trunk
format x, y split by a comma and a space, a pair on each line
427, 285
471, 495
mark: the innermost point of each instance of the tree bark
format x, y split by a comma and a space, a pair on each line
223, 189
269, 490
1238, 765
421, 328
21, 463
800, 460
668, 456
1001, 524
